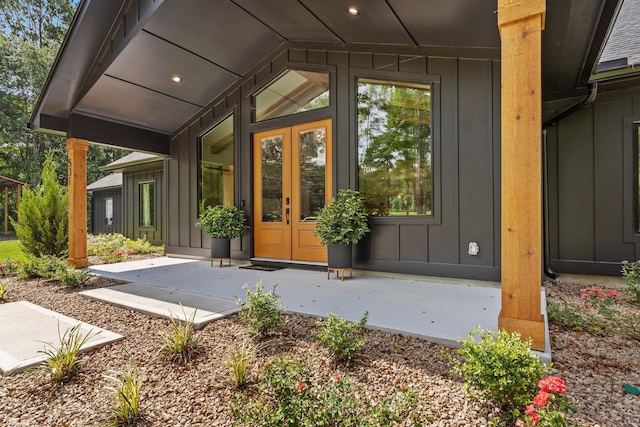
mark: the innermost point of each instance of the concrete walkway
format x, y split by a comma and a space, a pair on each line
439, 310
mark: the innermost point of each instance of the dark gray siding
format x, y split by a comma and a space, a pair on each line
131, 195
98, 222
591, 200
466, 147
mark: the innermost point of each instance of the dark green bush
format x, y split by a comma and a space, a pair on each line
261, 313
343, 339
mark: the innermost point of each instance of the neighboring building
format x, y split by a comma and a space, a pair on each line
130, 200
106, 204
276, 105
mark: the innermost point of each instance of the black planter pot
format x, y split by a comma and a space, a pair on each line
340, 256
220, 247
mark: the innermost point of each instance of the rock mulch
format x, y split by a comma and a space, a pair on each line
198, 395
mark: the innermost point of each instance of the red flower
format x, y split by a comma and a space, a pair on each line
613, 293
541, 399
338, 378
301, 386
552, 385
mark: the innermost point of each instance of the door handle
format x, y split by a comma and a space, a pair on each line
286, 211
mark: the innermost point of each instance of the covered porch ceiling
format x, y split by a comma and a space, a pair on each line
112, 80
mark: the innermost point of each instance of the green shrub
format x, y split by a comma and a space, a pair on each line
3, 291
62, 360
179, 340
631, 273
126, 387
343, 339
501, 367
105, 244
139, 246
9, 267
261, 313
569, 316
238, 361
43, 226
290, 396
53, 268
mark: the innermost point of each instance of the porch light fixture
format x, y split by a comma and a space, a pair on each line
353, 11
176, 79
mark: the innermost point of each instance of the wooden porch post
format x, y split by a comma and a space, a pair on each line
77, 151
520, 23
18, 202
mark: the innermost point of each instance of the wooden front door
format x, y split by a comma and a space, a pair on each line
292, 180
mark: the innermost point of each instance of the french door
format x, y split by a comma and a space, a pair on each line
292, 181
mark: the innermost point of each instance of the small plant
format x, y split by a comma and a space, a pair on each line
261, 313
238, 361
631, 273
223, 221
53, 268
179, 341
9, 267
549, 406
3, 291
105, 244
62, 361
569, 315
126, 387
597, 297
343, 339
290, 396
70, 277
501, 367
343, 220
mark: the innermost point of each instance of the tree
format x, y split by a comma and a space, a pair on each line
43, 226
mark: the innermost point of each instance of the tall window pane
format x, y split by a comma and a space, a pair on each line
146, 204
394, 147
216, 166
108, 211
636, 133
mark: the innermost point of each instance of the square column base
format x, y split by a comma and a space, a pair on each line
526, 328
79, 262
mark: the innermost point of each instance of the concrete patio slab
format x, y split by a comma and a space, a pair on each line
166, 302
28, 328
436, 309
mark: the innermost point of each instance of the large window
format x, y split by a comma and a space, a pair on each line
293, 92
146, 204
395, 147
216, 166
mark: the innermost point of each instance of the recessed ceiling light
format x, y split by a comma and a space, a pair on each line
353, 11
176, 79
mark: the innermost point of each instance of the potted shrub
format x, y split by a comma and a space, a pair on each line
222, 223
341, 223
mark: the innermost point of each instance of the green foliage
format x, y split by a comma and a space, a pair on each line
501, 367
62, 360
631, 273
179, 340
290, 396
126, 390
3, 291
569, 315
223, 221
140, 246
115, 247
238, 361
261, 313
11, 249
52, 268
343, 220
105, 244
343, 339
43, 216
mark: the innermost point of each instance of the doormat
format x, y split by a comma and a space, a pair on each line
261, 267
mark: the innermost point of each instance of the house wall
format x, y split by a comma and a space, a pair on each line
131, 194
591, 189
98, 222
466, 163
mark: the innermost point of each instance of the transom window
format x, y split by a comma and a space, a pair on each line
395, 147
293, 92
216, 166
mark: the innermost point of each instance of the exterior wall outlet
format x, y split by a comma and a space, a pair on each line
474, 248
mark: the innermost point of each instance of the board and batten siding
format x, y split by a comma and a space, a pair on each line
98, 220
131, 193
466, 160
591, 189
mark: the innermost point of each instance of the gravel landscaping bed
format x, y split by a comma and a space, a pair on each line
197, 394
